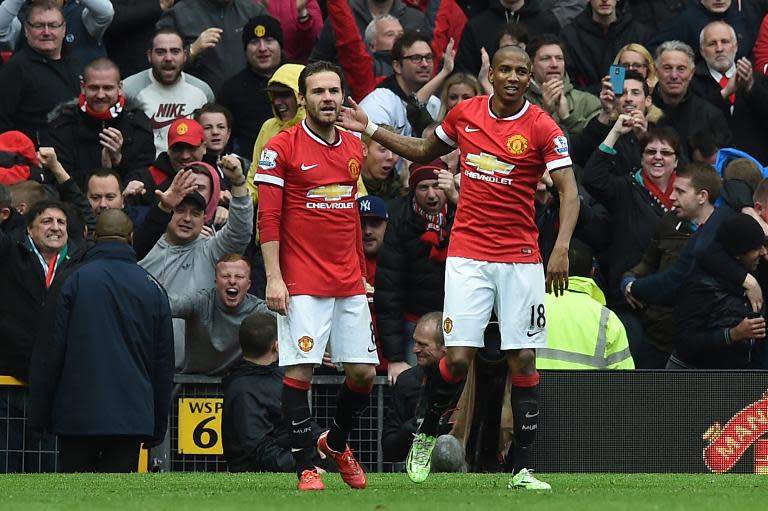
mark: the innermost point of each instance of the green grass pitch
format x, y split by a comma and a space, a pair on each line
388, 492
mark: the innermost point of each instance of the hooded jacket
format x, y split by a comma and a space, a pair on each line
411, 19
590, 48
75, 136
288, 75
482, 31
582, 106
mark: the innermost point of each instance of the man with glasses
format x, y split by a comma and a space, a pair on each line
412, 61
38, 77
164, 90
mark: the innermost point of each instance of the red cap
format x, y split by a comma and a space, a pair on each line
185, 130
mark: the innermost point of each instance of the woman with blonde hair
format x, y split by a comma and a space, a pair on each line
457, 88
634, 56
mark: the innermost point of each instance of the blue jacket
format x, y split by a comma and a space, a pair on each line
109, 367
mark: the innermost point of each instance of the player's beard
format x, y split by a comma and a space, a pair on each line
323, 118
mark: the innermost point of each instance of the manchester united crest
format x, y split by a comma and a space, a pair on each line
447, 325
182, 128
517, 144
306, 344
259, 30
354, 168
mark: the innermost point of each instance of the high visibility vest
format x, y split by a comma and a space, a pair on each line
582, 333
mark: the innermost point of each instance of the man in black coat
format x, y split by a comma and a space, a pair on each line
110, 346
38, 77
410, 269
683, 110
594, 38
99, 130
734, 88
253, 430
718, 329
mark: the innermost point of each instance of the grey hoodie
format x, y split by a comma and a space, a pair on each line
186, 269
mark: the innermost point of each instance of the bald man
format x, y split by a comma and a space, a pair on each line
112, 349
506, 145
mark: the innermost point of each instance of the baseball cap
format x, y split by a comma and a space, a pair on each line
423, 171
370, 205
195, 199
185, 130
262, 26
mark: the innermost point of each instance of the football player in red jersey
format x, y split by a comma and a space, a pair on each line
506, 144
312, 245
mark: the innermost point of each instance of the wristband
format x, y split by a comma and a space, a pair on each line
371, 128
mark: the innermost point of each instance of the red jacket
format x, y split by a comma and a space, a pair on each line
761, 48
449, 23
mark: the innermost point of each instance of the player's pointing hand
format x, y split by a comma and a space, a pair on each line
352, 118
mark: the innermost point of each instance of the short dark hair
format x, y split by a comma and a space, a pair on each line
631, 74
514, 30
408, 39
103, 172
435, 320
540, 40
213, 108
164, 31
580, 259
663, 133
38, 207
703, 177
100, 64
257, 333
28, 192
314, 68
707, 142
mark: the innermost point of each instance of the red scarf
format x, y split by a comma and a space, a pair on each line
111, 113
436, 231
661, 196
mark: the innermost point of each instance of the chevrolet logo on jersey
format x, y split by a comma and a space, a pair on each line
332, 194
489, 164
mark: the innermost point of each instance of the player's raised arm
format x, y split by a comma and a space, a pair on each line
422, 150
557, 268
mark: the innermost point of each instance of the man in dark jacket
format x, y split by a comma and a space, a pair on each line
410, 268
594, 38
254, 432
100, 129
482, 30
38, 77
683, 110
718, 329
733, 87
112, 348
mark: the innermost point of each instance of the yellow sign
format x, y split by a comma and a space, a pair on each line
200, 426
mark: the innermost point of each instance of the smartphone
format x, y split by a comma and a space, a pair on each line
617, 78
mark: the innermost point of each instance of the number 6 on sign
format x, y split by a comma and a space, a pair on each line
200, 426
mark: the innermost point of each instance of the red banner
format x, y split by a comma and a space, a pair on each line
727, 445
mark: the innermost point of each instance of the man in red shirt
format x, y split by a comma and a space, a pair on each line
506, 144
313, 254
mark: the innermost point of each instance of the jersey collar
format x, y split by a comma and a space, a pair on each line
512, 117
317, 138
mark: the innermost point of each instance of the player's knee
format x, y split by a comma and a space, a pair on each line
458, 363
522, 361
360, 374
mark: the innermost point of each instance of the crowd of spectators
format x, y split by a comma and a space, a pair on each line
161, 109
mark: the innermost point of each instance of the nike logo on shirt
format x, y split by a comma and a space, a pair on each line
470, 130
308, 167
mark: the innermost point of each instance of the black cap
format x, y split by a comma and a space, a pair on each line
739, 234
195, 199
262, 26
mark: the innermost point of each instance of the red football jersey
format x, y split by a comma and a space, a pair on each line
502, 160
307, 191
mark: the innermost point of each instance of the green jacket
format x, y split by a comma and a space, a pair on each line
582, 106
582, 333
